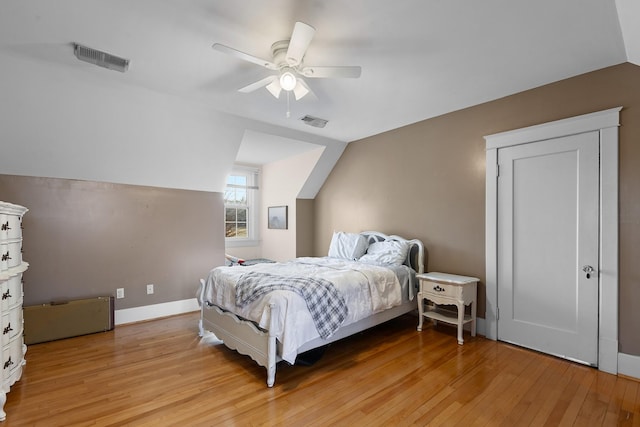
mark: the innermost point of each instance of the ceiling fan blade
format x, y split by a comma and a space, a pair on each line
332, 72
244, 56
300, 39
257, 85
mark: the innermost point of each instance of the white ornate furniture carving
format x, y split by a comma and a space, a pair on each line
448, 289
11, 268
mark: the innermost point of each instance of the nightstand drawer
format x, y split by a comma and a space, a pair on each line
440, 289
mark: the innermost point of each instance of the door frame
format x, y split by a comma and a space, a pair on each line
606, 123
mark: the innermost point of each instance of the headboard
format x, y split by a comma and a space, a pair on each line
415, 254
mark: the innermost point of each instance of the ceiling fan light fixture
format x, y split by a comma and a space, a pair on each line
300, 90
274, 88
288, 80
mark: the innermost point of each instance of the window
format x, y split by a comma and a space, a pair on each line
236, 206
240, 205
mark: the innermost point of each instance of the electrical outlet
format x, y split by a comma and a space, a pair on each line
149, 289
120, 293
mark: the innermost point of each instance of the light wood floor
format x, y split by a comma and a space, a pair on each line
158, 373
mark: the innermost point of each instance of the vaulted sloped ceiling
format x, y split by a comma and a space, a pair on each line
629, 14
419, 58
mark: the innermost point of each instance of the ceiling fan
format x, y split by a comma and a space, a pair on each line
288, 56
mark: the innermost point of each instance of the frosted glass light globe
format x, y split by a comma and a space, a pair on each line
288, 81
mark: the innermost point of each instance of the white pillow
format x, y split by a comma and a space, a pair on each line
347, 245
391, 252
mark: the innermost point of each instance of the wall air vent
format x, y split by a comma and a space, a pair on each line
100, 58
314, 121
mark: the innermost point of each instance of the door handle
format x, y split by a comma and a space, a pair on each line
588, 269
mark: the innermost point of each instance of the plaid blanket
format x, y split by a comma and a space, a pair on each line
324, 301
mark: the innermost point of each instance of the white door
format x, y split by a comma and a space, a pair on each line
548, 214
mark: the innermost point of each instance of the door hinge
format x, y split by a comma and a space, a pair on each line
497, 171
497, 313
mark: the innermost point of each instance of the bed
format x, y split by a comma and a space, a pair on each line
275, 311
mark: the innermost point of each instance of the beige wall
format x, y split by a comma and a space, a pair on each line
427, 180
85, 239
305, 217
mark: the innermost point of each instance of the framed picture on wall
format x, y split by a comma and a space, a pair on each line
278, 217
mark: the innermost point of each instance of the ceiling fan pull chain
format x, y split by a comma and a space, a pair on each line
288, 112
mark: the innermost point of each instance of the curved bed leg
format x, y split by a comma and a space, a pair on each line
271, 376
271, 361
200, 298
271, 346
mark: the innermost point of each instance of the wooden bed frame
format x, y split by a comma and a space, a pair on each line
246, 338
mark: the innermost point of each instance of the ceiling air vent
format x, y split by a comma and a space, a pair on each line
100, 58
314, 121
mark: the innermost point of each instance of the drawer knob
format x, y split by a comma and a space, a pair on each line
7, 329
438, 288
6, 295
5, 226
6, 256
8, 363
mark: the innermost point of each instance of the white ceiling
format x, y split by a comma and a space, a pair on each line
263, 148
419, 58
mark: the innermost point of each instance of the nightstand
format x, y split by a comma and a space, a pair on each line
448, 289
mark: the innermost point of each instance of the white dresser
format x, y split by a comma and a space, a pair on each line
11, 268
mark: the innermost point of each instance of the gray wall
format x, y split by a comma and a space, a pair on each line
84, 239
428, 179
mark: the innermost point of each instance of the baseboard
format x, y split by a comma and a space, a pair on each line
481, 326
629, 365
148, 312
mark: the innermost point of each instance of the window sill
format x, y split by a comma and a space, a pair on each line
228, 243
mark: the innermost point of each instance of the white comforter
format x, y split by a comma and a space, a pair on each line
366, 288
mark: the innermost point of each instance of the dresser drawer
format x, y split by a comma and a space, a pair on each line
4, 227
12, 356
12, 324
4, 256
11, 292
11, 254
14, 253
10, 227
